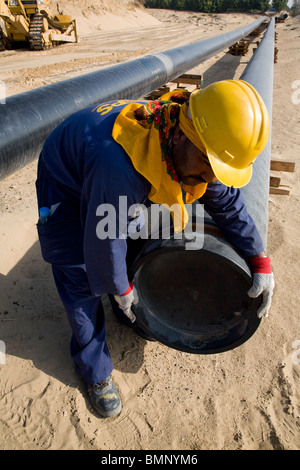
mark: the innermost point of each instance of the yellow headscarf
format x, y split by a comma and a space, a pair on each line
144, 132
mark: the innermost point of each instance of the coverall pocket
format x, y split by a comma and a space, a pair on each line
61, 237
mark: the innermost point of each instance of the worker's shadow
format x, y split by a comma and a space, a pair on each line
33, 324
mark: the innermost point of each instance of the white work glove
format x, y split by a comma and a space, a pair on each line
263, 283
126, 300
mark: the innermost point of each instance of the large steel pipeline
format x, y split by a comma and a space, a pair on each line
28, 118
259, 73
196, 300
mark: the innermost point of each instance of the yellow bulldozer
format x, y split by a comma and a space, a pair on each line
33, 22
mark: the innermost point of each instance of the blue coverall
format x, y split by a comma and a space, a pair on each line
80, 168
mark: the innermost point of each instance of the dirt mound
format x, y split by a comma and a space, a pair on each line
99, 6
105, 15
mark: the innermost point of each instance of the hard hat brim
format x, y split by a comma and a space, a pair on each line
227, 175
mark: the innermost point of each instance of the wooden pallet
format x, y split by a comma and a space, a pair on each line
155, 94
189, 79
275, 186
278, 165
240, 48
186, 78
257, 31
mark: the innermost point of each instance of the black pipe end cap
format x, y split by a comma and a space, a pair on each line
195, 300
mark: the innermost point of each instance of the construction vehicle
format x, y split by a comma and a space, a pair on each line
33, 22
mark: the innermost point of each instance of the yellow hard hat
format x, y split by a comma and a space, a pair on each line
232, 122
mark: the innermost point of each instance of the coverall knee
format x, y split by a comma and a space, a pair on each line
85, 313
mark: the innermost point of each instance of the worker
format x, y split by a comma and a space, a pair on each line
158, 152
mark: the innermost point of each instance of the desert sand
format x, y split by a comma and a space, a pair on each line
246, 398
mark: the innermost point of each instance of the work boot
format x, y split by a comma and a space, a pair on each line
105, 398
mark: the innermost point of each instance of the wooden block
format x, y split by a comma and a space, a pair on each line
189, 79
284, 192
274, 181
278, 165
239, 48
191, 76
155, 94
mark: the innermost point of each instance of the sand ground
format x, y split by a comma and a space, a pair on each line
247, 398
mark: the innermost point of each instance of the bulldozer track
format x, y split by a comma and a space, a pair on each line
38, 27
2, 45
36, 41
